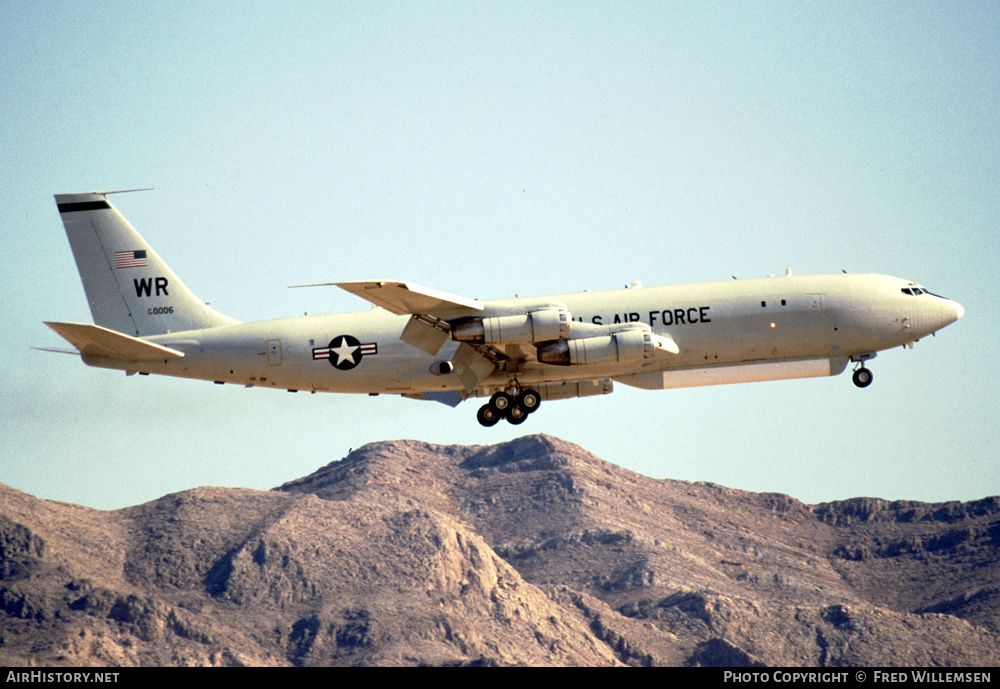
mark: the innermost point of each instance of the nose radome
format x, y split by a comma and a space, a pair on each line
959, 310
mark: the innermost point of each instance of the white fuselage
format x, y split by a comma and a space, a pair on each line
728, 331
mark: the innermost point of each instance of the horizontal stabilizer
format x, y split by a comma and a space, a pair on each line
403, 298
93, 340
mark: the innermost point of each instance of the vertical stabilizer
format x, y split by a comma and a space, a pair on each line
129, 287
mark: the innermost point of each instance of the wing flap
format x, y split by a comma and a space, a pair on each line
471, 367
425, 334
93, 340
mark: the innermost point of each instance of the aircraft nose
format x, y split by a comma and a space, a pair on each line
950, 312
959, 310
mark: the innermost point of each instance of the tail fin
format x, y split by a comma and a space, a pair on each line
129, 287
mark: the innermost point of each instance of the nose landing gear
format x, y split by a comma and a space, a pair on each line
862, 376
513, 405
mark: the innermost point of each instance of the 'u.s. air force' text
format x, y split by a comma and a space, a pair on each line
686, 316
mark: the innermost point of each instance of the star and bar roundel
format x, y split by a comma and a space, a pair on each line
345, 352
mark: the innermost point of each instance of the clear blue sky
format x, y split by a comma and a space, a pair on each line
493, 149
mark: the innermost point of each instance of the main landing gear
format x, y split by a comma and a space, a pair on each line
513, 405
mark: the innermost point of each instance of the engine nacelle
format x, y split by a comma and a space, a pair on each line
535, 326
619, 347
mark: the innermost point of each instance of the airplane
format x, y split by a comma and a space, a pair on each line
423, 343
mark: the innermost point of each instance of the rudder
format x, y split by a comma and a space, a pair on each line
129, 287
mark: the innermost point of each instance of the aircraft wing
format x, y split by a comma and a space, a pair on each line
93, 340
404, 298
429, 309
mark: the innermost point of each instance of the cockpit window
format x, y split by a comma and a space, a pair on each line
914, 290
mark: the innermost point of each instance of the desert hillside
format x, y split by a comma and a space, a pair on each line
532, 552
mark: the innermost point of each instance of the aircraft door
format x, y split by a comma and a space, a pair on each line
274, 352
798, 327
815, 306
821, 327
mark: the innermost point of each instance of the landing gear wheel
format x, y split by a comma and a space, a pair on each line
488, 416
529, 400
863, 377
501, 402
516, 414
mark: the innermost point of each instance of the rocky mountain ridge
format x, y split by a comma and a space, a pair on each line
531, 552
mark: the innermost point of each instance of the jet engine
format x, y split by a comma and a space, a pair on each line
622, 346
551, 323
